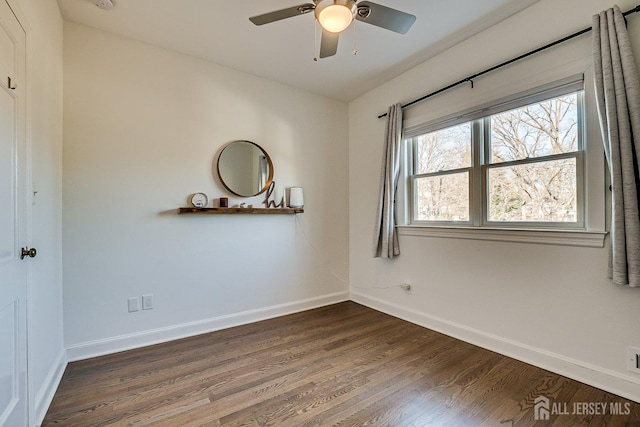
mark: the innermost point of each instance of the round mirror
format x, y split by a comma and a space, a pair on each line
244, 168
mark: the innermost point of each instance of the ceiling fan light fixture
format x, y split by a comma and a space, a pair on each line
335, 15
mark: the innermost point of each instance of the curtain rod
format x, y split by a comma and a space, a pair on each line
503, 64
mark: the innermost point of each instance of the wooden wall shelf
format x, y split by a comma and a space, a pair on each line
246, 211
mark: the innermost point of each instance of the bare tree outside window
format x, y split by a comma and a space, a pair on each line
530, 166
544, 191
537, 130
443, 196
541, 191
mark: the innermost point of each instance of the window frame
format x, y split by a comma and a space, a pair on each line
471, 171
479, 170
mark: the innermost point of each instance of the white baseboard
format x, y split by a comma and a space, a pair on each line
622, 385
44, 395
86, 350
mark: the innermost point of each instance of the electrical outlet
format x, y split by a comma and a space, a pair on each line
633, 359
147, 302
133, 304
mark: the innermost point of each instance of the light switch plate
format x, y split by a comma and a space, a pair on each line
133, 304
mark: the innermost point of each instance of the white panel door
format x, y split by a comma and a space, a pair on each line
13, 222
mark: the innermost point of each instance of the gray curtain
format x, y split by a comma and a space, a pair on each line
618, 99
385, 241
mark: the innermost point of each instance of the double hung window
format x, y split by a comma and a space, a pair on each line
518, 164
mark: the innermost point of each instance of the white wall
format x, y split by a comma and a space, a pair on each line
143, 126
552, 306
47, 358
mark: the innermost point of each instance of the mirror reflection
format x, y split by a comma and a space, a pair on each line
244, 168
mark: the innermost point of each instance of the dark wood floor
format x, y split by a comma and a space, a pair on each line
343, 365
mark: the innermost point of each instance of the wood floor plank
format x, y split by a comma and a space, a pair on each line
341, 365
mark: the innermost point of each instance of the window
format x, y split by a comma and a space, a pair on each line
443, 164
519, 165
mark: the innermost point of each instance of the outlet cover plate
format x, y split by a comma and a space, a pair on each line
147, 302
633, 359
133, 304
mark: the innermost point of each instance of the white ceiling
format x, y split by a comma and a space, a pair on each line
219, 31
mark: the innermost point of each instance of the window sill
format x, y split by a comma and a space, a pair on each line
581, 238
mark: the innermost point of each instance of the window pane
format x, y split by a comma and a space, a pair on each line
544, 191
443, 197
445, 149
542, 129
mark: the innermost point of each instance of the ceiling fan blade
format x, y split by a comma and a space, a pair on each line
329, 43
277, 15
384, 17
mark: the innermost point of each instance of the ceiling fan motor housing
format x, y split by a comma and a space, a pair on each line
105, 4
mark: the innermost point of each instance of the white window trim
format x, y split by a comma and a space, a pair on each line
580, 238
593, 232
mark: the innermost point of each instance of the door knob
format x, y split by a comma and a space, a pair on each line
28, 253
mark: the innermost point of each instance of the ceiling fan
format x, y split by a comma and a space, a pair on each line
335, 16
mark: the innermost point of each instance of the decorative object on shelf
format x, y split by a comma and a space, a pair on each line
199, 200
296, 197
271, 203
245, 168
224, 202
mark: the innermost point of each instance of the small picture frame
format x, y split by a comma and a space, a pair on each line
199, 200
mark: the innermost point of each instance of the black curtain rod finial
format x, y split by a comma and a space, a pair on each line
511, 61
